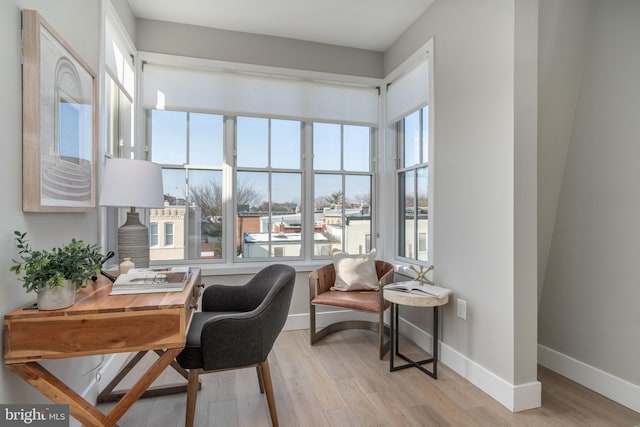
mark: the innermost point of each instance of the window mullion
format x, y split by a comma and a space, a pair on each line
229, 197
308, 205
416, 231
185, 237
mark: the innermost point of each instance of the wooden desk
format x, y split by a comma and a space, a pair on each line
99, 323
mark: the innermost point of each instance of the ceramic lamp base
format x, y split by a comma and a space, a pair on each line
133, 241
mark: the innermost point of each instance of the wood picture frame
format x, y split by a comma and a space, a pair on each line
59, 120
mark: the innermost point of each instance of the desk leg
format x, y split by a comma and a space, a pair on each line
49, 385
108, 395
139, 387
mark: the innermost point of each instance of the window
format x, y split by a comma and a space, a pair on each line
119, 119
189, 146
168, 234
342, 176
408, 108
119, 101
422, 242
250, 179
153, 234
268, 188
119, 79
267, 182
412, 136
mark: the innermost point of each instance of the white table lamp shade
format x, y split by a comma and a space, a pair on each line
132, 183
128, 183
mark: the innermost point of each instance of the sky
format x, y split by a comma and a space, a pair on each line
205, 149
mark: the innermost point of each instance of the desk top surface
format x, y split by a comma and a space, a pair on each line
95, 299
99, 323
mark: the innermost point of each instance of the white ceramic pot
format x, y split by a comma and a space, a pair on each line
57, 298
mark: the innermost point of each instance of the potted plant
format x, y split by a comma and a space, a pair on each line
56, 275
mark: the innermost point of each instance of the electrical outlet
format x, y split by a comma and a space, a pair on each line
462, 309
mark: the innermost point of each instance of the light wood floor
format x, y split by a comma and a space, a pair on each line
341, 382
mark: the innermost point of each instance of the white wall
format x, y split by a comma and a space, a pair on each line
211, 43
562, 42
525, 283
485, 56
589, 315
44, 229
126, 17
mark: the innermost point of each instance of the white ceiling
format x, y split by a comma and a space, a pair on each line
365, 24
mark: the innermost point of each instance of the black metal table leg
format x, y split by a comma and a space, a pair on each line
395, 350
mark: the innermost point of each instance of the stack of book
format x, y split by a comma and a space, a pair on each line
147, 280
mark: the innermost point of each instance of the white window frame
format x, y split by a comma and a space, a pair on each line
269, 170
168, 231
355, 84
127, 86
154, 232
343, 173
424, 53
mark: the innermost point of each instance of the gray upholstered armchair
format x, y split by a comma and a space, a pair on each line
237, 328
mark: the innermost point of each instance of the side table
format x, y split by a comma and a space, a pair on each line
413, 299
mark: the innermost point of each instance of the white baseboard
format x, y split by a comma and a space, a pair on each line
109, 368
418, 336
515, 398
610, 386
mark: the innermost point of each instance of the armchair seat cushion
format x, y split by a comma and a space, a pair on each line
355, 300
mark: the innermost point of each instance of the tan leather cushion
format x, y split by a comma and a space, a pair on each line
356, 300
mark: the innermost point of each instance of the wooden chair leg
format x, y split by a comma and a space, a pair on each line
266, 377
192, 395
260, 379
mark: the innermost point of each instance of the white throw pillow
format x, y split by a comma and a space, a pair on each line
355, 272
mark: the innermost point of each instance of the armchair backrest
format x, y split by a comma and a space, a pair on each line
245, 337
276, 282
322, 279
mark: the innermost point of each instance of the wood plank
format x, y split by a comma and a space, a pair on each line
99, 323
341, 382
97, 334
